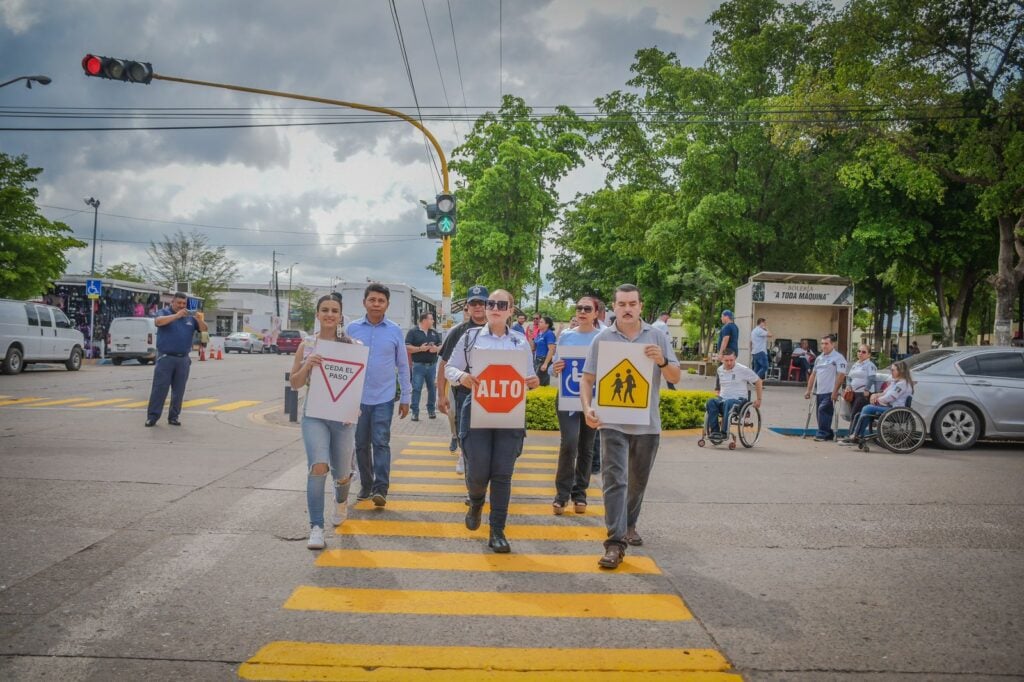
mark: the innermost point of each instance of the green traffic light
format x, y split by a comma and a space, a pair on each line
445, 225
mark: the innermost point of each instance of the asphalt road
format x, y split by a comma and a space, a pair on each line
179, 553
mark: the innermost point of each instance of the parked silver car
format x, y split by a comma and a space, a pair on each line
968, 393
243, 342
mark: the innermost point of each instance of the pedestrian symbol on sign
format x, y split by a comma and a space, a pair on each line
623, 386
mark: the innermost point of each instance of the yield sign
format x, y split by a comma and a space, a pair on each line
338, 375
501, 388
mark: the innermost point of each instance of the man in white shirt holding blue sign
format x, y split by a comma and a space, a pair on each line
734, 382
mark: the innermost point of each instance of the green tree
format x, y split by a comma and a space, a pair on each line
304, 303
509, 165
129, 272
934, 89
32, 248
188, 258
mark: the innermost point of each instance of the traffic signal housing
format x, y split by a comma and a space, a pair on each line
445, 214
432, 231
125, 70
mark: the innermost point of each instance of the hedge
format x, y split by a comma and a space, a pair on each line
679, 409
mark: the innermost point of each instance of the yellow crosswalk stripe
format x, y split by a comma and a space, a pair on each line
19, 401
284, 660
436, 488
464, 561
97, 403
412, 452
431, 443
458, 531
237, 405
450, 462
198, 401
63, 401
140, 403
451, 475
595, 510
656, 607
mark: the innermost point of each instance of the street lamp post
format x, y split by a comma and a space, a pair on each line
95, 203
42, 80
290, 267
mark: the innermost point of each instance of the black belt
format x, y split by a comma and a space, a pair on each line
175, 355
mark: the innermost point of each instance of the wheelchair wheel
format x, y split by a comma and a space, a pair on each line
748, 423
900, 430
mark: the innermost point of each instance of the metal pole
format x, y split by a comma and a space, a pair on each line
446, 253
95, 203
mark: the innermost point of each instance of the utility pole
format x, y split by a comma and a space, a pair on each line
95, 203
290, 268
273, 283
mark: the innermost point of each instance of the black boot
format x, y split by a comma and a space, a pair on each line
498, 542
473, 515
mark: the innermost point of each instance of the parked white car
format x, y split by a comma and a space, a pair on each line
969, 392
243, 342
33, 332
132, 338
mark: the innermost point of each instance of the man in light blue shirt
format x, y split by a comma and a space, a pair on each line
759, 336
387, 356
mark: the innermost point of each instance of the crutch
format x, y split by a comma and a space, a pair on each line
810, 405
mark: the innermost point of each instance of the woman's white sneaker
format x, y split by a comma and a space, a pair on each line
460, 466
340, 513
316, 538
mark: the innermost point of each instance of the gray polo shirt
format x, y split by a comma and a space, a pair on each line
648, 335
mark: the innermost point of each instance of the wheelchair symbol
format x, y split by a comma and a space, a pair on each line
571, 377
93, 287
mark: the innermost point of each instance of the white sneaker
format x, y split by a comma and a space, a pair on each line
460, 466
340, 513
316, 538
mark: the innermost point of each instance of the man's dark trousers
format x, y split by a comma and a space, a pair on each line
169, 372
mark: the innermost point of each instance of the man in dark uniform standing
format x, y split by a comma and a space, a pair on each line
175, 328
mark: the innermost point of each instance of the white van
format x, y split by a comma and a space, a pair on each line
33, 332
132, 338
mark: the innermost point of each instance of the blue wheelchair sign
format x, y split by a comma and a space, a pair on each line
569, 384
193, 304
93, 287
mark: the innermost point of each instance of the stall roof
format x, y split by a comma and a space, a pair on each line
800, 278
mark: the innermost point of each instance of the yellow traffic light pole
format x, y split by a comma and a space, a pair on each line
446, 246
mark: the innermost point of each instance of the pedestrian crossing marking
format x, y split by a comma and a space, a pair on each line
515, 509
516, 476
656, 607
237, 405
140, 403
446, 443
411, 452
19, 400
458, 531
285, 660
198, 401
460, 489
465, 561
63, 401
97, 403
552, 466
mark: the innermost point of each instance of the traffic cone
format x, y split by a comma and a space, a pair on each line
220, 354
202, 354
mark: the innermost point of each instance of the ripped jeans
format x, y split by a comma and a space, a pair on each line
332, 443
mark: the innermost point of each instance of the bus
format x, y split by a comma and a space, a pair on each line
407, 304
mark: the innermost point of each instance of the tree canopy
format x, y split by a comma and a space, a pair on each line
32, 249
188, 258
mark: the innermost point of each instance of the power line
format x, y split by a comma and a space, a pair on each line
412, 85
458, 62
250, 245
440, 75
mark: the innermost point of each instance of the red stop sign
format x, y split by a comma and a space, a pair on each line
501, 388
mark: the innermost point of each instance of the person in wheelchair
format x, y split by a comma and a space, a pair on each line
898, 392
732, 387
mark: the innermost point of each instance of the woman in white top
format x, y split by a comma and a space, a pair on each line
861, 379
490, 453
330, 445
576, 451
900, 389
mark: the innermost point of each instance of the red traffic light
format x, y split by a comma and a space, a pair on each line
92, 64
117, 69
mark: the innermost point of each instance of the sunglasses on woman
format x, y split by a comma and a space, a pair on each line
500, 305
584, 308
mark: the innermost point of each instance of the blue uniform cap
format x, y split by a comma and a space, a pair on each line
728, 313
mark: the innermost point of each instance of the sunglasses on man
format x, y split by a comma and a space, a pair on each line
500, 305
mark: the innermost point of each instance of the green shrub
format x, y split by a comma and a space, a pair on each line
679, 409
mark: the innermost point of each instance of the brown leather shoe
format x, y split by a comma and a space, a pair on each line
633, 538
612, 557
580, 507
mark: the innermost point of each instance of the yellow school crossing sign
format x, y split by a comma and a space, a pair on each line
623, 386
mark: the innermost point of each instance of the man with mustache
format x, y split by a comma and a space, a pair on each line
628, 450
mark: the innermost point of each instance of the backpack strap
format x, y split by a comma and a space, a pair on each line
466, 345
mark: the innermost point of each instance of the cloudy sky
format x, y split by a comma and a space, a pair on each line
341, 201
